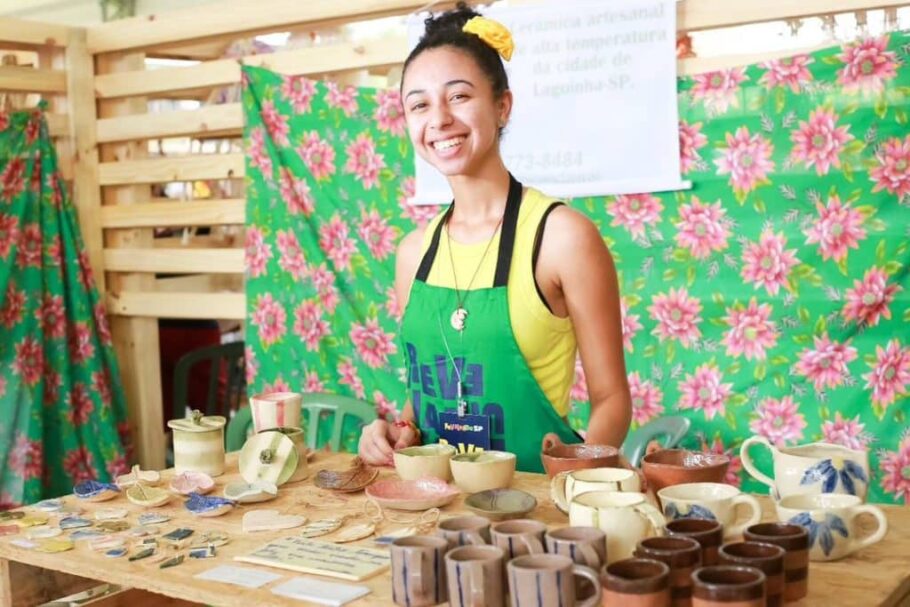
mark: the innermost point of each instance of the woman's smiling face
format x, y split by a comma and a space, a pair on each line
452, 114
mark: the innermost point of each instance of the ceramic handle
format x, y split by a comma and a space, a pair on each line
754, 517
654, 516
533, 544
582, 571
550, 440
747, 461
558, 491
879, 533
471, 538
590, 556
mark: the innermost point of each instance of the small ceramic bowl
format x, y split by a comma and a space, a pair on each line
412, 463
249, 493
483, 470
557, 456
208, 505
667, 467
147, 497
192, 482
501, 504
419, 494
94, 491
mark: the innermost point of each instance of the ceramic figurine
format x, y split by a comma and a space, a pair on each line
95, 491
204, 505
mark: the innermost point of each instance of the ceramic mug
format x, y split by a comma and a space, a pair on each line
519, 537
682, 555
275, 410
464, 531
636, 583
709, 534
713, 501
766, 557
418, 570
728, 586
567, 484
795, 542
626, 518
811, 469
829, 520
475, 576
547, 580
584, 545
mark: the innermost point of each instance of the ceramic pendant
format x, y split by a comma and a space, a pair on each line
205, 505
11, 515
93, 491
173, 562
192, 482
136, 476
320, 527
115, 553
106, 542
85, 534
143, 531
52, 505
74, 522
147, 497
354, 533
9, 530
210, 538
42, 532
113, 526
457, 319
202, 553
249, 493
148, 541
68, 510
33, 520
153, 518
24, 543
53, 545
270, 520
391, 536
142, 554
177, 536
111, 514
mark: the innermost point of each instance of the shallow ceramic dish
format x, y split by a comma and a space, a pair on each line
419, 494
208, 505
147, 497
94, 491
355, 478
501, 504
558, 456
483, 470
422, 461
667, 467
192, 482
249, 493
137, 475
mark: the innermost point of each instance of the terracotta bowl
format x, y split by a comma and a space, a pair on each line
559, 457
667, 467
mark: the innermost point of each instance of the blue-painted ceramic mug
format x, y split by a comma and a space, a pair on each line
828, 518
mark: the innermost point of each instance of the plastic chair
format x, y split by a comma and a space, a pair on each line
218, 402
314, 404
671, 429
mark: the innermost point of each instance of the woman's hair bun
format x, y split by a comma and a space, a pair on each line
449, 22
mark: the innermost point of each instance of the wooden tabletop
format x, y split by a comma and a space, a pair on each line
878, 575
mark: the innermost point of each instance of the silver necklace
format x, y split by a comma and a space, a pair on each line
460, 314
460, 401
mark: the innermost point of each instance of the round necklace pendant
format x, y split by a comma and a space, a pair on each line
457, 319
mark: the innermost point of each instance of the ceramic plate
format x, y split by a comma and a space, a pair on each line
501, 504
420, 494
192, 482
149, 497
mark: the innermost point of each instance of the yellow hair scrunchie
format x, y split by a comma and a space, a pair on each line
493, 33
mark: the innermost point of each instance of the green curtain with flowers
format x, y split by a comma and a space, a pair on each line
62, 410
772, 298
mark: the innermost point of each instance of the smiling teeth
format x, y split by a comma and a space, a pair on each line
448, 143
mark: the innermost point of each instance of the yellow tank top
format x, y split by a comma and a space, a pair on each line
546, 341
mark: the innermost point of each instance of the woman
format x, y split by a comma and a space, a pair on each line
501, 289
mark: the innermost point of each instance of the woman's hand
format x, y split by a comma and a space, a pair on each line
380, 439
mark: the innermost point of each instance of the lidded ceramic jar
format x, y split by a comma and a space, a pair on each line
277, 456
199, 443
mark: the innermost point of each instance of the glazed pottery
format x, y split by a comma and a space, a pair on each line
137, 475
501, 504
682, 555
277, 456
548, 580
424, 461
199, 443
707, 532
728, 586
275, 410
475, 576
464, 531
191, 482
519, 537
418, 571
559, 457
94, 491
829, 519
766, 557
566, 485
355, 478
811, 469
421, 494
584, 545
249, 493
147, 497
667, 467
636, 583
270, 520
795, 541
713, 501
626, 518
482, 470
208, 505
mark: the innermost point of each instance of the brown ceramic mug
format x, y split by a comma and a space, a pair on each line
475, 576
418, 570
464, 531
766, 557
584, 545
709, 534
794, 539
682, 555
636, 583
548, 580
519, 537
728, 586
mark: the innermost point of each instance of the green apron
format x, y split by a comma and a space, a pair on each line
482, 367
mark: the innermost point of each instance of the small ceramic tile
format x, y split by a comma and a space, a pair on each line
113, 526
142, 554
51, 505
143, 531
239, 576
317, 591
85, 534
115, 553
202, 553
42, 532
210, 538
106, 542
171, 562
177, 536
32, 520
111, 514
74, 522
153, 518
57, 544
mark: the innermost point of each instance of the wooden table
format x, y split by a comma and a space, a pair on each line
879, 575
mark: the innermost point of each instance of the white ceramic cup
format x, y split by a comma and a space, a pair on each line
568, 484
626, 518
829, 518
713, 501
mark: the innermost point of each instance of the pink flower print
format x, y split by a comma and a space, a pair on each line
78, 465
4, 122
276, 124
839, 228
296, 193
318, 155
54, 252
579, 390
677, 315
767, 263
335, 242
893, 170
348, 372
345, 99
867, 65
9, 234
702, 228
299, 90
52, 317
691, 139
736, 464
29, 361
751, 332
291, 260
718, 90
705, 391
118, 466
80, 405
819, 141
389, 113
384, 406
86, 276
377, 234
372, 343
392, 305
825, 365
26, 458
869, 299
30, 241
52, 383
257, 253
312, 383
634, 212
792, 72
847, 432
80, 343
2, 386
12, 179
101, 384
271, 319
419, 214
13, 307
324, 281
279, 385
630, 324
258, 154
309, 325
890, 375
747, 159
895, 470
363, 161
779, 420
646, 399
252, 365
104, 329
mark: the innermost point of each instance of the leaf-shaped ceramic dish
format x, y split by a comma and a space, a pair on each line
355, 478
192, 482
147, 497
137, 475
248, 493
419, 494
95, 491
501, 504
208, 505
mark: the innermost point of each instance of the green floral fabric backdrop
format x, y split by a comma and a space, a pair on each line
772, 298
62, 409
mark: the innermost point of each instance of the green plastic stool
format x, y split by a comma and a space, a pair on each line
671, 429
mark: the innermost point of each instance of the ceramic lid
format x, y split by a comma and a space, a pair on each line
269, 456
198, 422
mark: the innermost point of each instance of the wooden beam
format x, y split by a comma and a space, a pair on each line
175, 261
700, 65
200, 283
23, 31
695, 15
226, 119
31, 80
221, 306
59, 124
225, 211
162, 170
